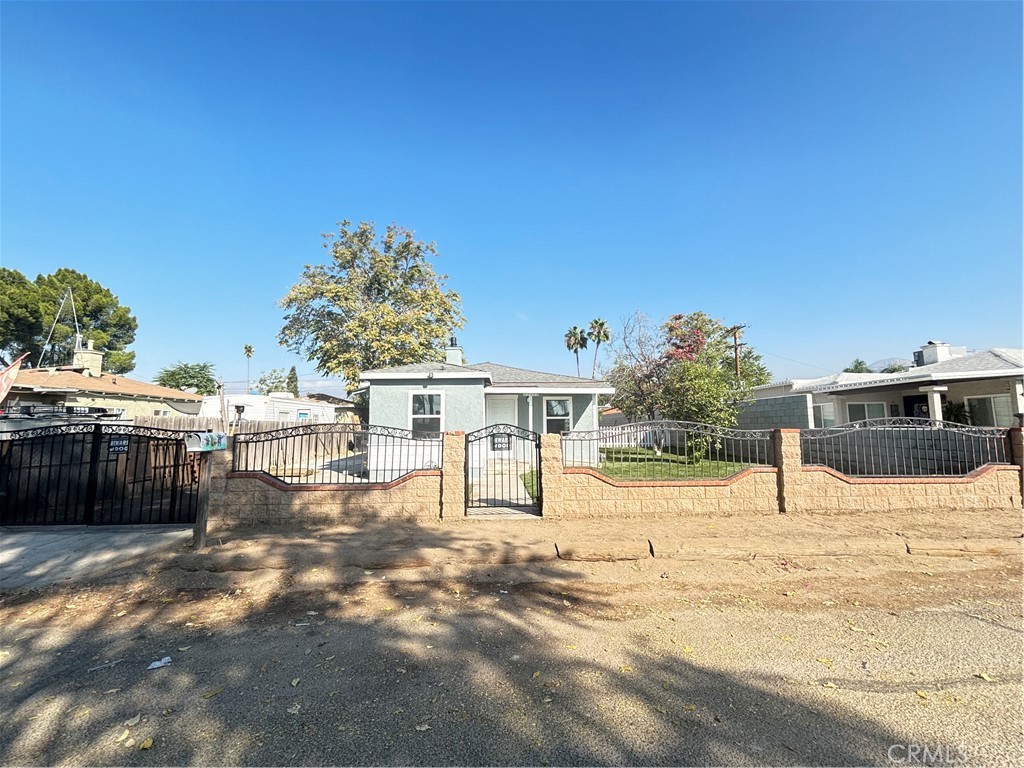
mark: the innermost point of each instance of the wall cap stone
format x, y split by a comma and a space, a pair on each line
968, 478
668, 483
294, 487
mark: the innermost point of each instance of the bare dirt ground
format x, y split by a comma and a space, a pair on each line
425, 647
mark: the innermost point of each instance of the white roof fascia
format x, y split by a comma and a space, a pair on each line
501, 389
427, 375
912, 380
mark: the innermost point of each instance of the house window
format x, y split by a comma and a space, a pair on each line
824, 415
303, 416
557, 414
158, 412
426, 414
991, 411
865, 411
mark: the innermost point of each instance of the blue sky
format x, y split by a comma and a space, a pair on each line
844, 178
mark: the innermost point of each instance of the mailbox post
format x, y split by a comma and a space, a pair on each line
204, 443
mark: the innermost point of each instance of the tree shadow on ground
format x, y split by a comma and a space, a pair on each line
339, 663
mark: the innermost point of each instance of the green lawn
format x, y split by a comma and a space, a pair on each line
643, 464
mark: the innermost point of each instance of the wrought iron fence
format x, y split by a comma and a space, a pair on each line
904, 447
667, 450
38, 410
336, 454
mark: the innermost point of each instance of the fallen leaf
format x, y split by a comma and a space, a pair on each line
986, 677
112, 690
81, 713
133, 721
184, 647
625, 668
295, 710
689, 707
826, 662
829, 684
535, 675
148, 743
120, 613
130, 743
922, 694
423, 727
787, 638
295, 682
123, 736
214, 692
571, 647
263, 668
688, 649
547, 699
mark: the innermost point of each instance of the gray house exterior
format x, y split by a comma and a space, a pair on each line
429, 399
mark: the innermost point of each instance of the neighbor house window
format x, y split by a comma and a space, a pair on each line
426, 414
303, 416
161, 413
557, 414
992, 411
824, 415
865, 411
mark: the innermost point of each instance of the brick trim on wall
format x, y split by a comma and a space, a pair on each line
944, 480
280, 485
699, 483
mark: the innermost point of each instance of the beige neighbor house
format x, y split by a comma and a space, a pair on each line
82, 388
989, 385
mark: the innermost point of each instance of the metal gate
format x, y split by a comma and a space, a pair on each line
97, 474
503, 469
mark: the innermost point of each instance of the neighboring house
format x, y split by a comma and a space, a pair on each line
430, 398
988, 384
82, 388
276, 406
345, 411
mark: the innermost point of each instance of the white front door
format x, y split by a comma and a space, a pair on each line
502, 409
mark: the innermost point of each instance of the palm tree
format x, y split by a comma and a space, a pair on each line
247, 350
575, 340
599, 334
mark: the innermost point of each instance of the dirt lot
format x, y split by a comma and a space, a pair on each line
285, 652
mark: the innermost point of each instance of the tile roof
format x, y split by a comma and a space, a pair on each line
41, 379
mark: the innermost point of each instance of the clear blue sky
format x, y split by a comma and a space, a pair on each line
844, 178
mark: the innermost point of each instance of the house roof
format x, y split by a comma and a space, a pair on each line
44, 380
505, 375
422, 370
998, 362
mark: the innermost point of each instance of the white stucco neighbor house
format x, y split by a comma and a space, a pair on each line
276, 406
988, 384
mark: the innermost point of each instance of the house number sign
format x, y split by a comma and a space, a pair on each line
501, 442
118, 444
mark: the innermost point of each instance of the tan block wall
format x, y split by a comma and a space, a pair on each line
453, 482
582, 495
249, 500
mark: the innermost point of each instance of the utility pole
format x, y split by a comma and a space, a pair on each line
736, 344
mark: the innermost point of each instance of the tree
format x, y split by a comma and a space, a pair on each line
28, 311
599, 334
274, 380
894, 368
377, 303
292, 383
248, 351
20, 317
683, 370
575, 340
199, 376
857, 366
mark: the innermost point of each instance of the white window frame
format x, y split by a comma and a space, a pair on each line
992, 406
866, 403
408, 409
546, 417
818, 414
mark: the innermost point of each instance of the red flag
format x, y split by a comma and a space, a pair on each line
8, 375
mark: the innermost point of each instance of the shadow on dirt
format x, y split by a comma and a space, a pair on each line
314, 666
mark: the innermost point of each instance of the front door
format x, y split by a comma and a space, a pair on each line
501, 409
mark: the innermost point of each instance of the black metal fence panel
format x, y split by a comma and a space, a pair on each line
904, 447
667, 450
97, 474
337, 454
503, 468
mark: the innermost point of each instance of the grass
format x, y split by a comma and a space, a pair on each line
530, 483
644, 464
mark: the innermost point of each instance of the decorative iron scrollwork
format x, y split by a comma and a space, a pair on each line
902, 422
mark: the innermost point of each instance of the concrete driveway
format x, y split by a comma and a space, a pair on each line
36, 557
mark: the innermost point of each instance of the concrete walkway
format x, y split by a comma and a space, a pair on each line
36, 557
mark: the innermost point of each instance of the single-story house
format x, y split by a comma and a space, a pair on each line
989, 385
430, 398
82, 388
275, 406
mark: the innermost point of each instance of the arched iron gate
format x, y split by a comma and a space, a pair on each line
97, 474
503, 469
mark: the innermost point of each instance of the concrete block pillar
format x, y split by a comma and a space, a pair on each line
1015, 436
551, 475
453, 476
786, 447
